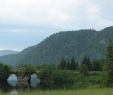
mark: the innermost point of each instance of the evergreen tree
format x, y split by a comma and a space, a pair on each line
109, 64
85, 66
96, 65
73, 64
86, 61
62, 64
68, 65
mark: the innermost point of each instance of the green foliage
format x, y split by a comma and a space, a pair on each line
109, 64
29, 69
85, 66
63, 79
5, 71
84, 69
97, 65
87, 62
51, 77
63, 64
73, 64
68, 65
46, 75
93, 79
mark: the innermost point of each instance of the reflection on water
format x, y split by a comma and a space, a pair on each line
12, 80
35, 81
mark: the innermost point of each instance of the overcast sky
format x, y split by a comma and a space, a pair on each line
27, 22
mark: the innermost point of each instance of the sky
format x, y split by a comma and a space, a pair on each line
24, 23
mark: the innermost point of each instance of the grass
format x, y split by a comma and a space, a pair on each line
105, 91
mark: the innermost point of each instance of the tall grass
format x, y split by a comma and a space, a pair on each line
105, 91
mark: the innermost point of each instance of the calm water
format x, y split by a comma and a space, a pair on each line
35, 81
12, 80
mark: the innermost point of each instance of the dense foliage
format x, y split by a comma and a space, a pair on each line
5, 71
109, 64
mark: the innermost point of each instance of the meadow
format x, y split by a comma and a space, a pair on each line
101, 91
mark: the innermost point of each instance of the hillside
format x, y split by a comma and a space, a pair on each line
66, 44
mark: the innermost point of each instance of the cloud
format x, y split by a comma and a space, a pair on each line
55, 14
40, 18
63, 14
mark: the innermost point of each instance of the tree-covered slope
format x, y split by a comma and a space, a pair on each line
64, 44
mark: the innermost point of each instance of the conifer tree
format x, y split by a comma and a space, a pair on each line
109, 63
86, 61
73, 64
62, 64
68, 65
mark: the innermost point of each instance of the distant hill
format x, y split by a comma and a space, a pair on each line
65, 44
7, 52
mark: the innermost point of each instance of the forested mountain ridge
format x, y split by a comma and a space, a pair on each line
65, 44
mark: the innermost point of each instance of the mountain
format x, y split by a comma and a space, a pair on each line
65, 44
7, 52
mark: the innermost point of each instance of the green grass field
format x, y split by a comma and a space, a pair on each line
105, 91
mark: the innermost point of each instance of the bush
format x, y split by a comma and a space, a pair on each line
5, 71
51, 77
63, 79
29, 69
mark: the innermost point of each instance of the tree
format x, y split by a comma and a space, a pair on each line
62, 64
28, 67
68, 66
86, 61
73, 64
24, 72
109, 64
84, 69
5, 71
51, 77
63, 79
46, 75
96, 65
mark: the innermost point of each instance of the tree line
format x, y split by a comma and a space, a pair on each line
85, 64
